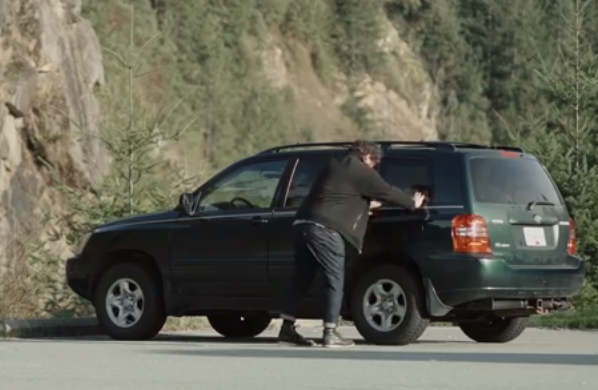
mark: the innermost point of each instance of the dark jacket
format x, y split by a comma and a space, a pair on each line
340, 197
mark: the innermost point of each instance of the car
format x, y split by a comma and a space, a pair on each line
493, 245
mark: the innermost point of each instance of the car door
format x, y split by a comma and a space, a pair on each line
396, 228
222, 250
281, 251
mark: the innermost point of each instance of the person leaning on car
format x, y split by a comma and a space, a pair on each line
335, 212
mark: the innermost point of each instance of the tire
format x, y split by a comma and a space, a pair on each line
410, 325
235, 325
149, 303
501, 330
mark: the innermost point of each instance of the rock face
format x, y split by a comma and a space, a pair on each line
50, 61
410, 116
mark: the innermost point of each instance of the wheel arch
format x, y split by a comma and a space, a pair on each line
363, 264
119, 256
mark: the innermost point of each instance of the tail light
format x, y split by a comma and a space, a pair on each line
509, 154
470, 234
572, 244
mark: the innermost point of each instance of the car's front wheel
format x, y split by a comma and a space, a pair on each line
387, 305
128, 304
495, 329
237, 325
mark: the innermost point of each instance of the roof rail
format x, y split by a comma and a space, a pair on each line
440, 145
383, 144
279, 148
482, 146
453, 146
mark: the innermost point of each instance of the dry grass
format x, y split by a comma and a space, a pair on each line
32, 280
185, 323
15, 276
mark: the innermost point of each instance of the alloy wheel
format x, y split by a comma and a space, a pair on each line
124, 303
384, 305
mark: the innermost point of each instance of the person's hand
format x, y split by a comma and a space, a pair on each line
374, 204
418, 199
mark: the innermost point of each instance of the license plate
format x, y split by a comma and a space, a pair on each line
534, 236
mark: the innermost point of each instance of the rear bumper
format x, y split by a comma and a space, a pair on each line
464, 279
77, 277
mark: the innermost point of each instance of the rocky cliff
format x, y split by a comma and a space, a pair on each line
50, 62
411, 116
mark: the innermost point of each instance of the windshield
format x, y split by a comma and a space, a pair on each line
511, 181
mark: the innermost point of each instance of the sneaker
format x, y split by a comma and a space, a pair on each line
288, 335
332, 339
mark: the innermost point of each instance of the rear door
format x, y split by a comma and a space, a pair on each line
526, 215
396, 227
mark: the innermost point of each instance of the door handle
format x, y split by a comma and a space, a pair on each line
258, 219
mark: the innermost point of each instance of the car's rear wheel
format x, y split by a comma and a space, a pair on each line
495, 329
128, 304
387, 306
240, 325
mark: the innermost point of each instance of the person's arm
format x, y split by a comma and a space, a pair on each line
371, 185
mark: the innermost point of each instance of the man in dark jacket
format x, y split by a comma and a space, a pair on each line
335, 211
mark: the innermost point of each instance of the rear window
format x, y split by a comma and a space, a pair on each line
511, 181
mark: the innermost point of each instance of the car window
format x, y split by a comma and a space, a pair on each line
252, 186
306, 172
511, 181
408, 174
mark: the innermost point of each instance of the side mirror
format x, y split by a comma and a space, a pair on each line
187, 203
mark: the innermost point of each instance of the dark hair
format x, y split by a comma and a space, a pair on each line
363, 148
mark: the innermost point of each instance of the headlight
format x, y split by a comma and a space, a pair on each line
83, 242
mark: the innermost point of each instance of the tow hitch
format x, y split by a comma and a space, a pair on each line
546, 306
540, 309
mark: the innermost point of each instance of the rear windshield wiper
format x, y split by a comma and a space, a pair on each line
533, 203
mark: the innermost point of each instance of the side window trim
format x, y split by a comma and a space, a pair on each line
283, 182
283, 192
281, 206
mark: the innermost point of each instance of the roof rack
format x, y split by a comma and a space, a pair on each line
277, 149
482, 146
384, 144
440, 145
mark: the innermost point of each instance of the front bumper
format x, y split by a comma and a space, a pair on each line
77, 277
466, 279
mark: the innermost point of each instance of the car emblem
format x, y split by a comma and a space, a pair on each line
537, 218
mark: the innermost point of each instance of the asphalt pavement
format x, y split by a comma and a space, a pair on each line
443, 359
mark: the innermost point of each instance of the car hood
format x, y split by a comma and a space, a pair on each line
144, 218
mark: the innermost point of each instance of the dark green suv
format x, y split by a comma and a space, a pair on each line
493, 245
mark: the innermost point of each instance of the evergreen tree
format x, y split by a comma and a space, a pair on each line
132, 132
565, 137
435, 29
502, 35
358, 32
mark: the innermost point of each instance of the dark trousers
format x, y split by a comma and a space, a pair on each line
317, 248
